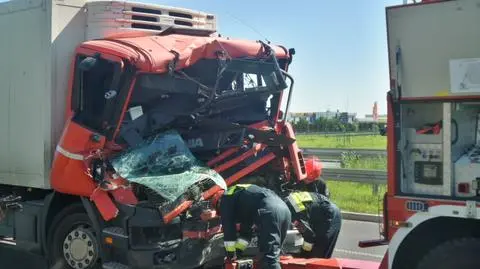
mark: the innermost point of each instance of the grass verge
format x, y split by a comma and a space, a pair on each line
356, 197
359, 197
352, 196
354, 161
354, 142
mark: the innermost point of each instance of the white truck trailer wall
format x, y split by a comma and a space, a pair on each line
37, 41
433, 38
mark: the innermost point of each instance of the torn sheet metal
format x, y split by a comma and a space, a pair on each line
164, 164
154, 52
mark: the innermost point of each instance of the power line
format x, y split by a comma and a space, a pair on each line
249, 26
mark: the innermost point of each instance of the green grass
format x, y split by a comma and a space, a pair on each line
359, 197
356, 197
351, 196
353, 161
357, 142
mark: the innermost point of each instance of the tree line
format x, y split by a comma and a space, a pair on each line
336, 125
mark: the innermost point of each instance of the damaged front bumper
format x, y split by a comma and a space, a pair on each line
143, 241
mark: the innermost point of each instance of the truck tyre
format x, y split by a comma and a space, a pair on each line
72, 240
459, 253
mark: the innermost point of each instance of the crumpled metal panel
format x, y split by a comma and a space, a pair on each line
164, 164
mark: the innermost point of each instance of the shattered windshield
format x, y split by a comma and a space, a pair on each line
164, 164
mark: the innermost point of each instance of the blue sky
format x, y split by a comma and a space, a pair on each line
341, 50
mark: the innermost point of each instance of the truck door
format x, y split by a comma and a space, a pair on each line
94, 83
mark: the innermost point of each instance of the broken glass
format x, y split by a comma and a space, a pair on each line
164, 164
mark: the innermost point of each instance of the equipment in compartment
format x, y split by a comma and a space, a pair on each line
424, 173
429, 173
467, 173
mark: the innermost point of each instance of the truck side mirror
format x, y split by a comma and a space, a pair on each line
87, 64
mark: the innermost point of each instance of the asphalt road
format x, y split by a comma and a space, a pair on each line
352, 232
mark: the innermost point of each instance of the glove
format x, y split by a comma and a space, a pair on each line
300, 227
306, 251
231, 255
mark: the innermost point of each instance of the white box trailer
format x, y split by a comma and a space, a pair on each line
434, 47
38, 39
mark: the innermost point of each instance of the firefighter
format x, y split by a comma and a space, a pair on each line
249, 205
318, 220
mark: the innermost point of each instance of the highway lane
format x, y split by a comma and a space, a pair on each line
352, 232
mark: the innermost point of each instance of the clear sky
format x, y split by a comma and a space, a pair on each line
341, 50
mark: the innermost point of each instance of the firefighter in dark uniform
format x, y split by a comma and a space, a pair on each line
249, 205
318, 220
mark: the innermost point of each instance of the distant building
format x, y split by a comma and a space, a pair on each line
327, 114
370, 118
311, 117
346, 117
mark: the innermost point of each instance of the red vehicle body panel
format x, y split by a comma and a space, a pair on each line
153, 53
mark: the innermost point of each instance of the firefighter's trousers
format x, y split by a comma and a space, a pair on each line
326, 230
273, 221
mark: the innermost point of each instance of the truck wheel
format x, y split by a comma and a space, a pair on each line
458, 253
72, 241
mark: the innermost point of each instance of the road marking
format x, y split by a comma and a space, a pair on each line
359, 253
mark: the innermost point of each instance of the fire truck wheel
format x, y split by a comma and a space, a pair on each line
465, 251
72, 241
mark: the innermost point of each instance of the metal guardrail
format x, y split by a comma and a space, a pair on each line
335, 153
355, 175
373, 177
338, 133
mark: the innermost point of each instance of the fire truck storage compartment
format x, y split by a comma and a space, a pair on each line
428, 54
466, 150
440, 147
422, 149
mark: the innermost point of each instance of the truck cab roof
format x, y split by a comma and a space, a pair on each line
152, 53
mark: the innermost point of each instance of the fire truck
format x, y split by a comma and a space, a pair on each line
431, 214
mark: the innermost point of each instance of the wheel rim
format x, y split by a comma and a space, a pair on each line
80, 248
